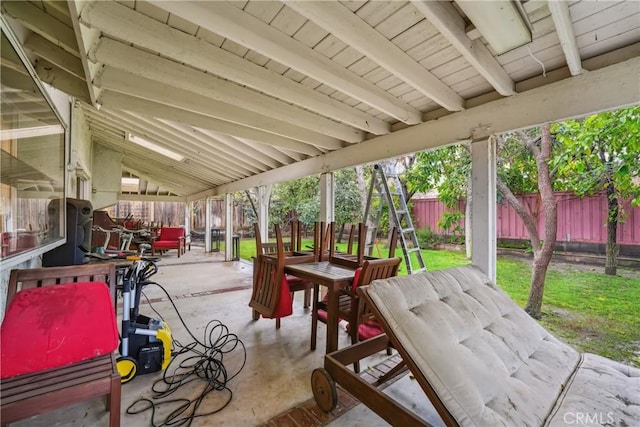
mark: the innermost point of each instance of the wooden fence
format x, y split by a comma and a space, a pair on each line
579, 219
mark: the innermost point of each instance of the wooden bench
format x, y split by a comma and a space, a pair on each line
24, 396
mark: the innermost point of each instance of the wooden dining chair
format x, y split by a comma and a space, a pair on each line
324, 240
349, 301
351, 259
270, 280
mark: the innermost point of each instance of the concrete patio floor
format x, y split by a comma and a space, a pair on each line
276, 375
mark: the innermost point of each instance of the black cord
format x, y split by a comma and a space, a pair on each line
201, 362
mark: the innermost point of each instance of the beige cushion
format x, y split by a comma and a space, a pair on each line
489, 362
603, 392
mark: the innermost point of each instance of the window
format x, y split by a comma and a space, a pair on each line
32, 160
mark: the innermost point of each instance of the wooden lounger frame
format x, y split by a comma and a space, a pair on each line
336, 365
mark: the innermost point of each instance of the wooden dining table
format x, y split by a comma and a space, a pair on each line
333, 277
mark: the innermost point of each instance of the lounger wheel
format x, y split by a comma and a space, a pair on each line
127, 368
324, 389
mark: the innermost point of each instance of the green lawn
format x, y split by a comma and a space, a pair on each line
582, 306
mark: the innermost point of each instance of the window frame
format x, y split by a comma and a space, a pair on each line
28, 255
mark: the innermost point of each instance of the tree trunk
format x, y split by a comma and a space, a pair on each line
542, 257
467, 219
611, 264
362, 188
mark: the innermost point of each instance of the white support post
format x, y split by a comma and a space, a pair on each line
263, 194
188, 208
483, 174
228, 227
207, 225
187, 217
327, 197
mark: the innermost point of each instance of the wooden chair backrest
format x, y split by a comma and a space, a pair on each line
256, 233
374, 269
294, 244
268, 275
267, 286
352, 234
324, 240
296, 236
20, 279
349, 259
272, 247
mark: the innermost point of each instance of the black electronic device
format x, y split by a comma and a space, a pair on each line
79, 221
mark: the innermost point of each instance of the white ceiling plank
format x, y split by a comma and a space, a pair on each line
243, 28
130, 84
612, 87
347, 26
450, 24
158, 110
564, 27
124, 23
40, 22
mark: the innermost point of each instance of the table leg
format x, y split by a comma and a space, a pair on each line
332, 321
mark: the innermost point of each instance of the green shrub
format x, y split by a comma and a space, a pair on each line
427, 239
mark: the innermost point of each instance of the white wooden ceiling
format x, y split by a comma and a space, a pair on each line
243, 89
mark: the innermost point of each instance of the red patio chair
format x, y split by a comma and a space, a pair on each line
169, 238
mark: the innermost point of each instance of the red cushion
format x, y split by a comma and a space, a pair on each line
171, 244
54, 326
369, 329
285, 305
322, 315
171, 233
356, 279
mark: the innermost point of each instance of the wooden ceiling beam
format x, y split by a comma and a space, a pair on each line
38, 21
450, 24
62, 80
351, 29
189, 137
84, 39
124, 23
241, 27
121, 101
169, 177
238, 151
564, 28
146, 128
229, 99
615, 86
142, 87
54, 54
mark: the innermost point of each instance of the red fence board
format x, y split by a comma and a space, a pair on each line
579, 219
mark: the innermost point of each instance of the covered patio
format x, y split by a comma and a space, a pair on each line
195, 100
273, 388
